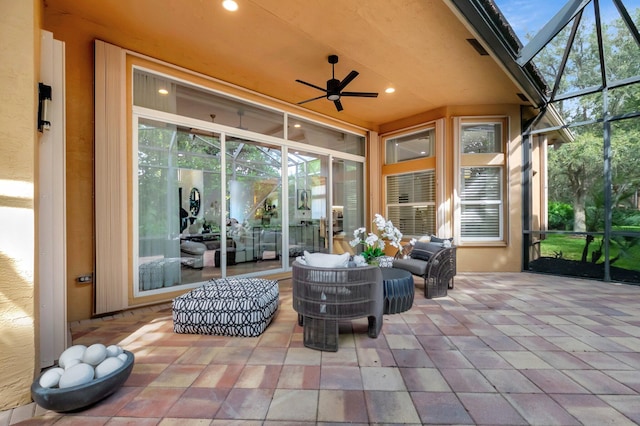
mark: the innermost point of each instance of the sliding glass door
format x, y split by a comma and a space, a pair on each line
212, 205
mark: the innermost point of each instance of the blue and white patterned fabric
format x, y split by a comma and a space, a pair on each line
227, 307
385, 262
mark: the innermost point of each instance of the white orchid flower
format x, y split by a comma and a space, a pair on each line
384, 231
379, 221
371, 240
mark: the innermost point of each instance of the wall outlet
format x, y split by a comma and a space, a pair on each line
84, 279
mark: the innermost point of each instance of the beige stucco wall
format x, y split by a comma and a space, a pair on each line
19, 32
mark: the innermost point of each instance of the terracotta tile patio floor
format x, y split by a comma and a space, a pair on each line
500, 349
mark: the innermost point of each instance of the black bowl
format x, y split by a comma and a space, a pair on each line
81, 396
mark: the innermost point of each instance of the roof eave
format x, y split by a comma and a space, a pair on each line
489, 24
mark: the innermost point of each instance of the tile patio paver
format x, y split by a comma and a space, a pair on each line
440, 408
540, 409
391, 407
591, 410
342, 406
491, 409
510, 381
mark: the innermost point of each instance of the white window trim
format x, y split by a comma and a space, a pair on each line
504, 182
443, 209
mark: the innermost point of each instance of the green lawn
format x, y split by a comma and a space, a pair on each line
570, 247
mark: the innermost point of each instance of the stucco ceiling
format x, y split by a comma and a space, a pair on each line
417, 46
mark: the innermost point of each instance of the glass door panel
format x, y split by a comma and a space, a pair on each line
347, 209
177, 188
308, 179
254, 201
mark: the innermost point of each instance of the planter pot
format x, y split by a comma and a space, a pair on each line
81, 396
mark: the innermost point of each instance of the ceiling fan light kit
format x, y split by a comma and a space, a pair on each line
335, 87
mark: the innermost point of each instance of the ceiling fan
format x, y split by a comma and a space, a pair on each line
335, 87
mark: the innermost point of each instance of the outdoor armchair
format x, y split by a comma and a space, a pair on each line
433, 262
323, 296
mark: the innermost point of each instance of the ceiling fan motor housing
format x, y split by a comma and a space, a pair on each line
333, 92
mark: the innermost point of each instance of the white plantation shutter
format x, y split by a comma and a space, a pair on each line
411, 202
481, 203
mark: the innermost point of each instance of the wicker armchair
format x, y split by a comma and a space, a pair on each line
438, 272
323, 296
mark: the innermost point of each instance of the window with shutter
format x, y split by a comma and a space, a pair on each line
481, 163
411, 200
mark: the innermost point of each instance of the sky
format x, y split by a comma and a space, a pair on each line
529, 16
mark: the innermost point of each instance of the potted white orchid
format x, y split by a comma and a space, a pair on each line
374, 242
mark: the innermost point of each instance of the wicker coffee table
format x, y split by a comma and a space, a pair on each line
398, 290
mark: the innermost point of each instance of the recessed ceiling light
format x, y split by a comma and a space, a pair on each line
163, 91
230, 5
389, 90
423, 152
297, 126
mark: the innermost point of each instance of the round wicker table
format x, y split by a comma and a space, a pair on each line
398, 290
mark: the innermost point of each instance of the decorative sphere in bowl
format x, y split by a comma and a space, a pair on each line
81, 396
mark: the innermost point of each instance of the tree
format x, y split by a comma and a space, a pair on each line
576, 169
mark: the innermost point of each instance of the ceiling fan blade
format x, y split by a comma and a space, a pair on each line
360, 94
312, 85
338, 104
348, 79
312, 99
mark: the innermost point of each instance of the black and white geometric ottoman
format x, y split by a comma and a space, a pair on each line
227, 307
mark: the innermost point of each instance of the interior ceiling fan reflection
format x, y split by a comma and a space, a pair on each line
240, 115
198, 132
335, 87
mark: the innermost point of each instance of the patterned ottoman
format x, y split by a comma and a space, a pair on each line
227, 307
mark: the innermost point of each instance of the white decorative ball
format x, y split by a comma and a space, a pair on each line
95, 354
73, 352
51, 377
123, 357
76, 375
108, 366
114, 350
71, 362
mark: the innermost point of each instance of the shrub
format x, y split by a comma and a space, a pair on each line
626, 217
560, 216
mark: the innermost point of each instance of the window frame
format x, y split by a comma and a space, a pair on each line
431, 152
480, 160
